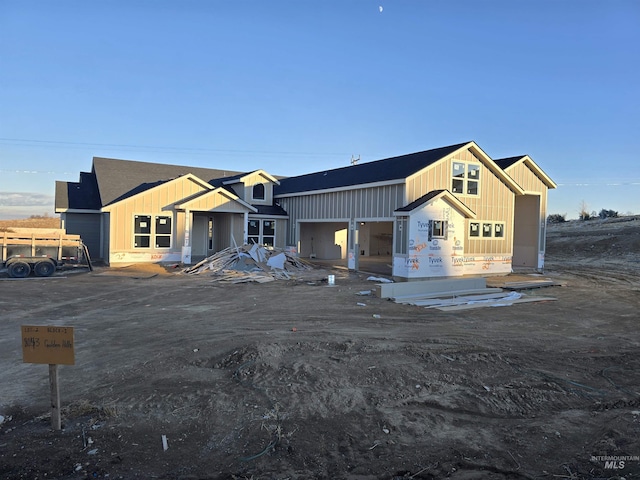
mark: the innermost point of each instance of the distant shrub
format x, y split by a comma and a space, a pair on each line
608, 213
557, 218
584, 213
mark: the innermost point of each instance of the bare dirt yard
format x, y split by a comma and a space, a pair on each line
296, 379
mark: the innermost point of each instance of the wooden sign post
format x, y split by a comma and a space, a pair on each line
53, 345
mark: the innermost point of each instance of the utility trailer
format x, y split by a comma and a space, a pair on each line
41, 251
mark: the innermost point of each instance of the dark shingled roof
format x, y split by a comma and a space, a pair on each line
420, 201
119, 179
505, 163
78, 195
270, 210
395, 168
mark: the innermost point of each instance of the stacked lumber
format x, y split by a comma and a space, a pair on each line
249, 263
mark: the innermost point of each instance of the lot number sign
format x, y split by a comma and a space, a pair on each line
53, 345
48, 344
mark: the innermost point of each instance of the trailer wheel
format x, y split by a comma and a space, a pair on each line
44, 268
19, 269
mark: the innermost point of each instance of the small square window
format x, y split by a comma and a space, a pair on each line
487, 229
499, 230
142, 224
141, 241
458, 170
163, 225
163, 241
474, 229
438, 229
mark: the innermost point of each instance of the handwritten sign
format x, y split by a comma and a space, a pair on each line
48, 344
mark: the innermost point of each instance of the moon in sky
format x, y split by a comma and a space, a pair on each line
380, 8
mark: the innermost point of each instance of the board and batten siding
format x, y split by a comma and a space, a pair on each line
156, 201
495, 202
530, 182
216, 202
366, 203
89, 227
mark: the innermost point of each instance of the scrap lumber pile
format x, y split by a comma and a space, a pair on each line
249, 263
454, 294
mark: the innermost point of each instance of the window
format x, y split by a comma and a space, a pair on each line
458, 178
258, 191
144, 230
466, 178
489, 230
254, 231
268, 232
163, 232
262, 232
437, 229
401, 235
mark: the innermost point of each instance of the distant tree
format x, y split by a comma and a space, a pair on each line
557, 218
608, 214
584, 214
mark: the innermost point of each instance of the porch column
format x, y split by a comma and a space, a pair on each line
245, 228
186, 247
353, 245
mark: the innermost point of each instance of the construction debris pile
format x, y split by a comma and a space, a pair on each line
461, 294
250, 263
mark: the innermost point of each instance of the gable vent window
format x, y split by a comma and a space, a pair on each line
466, 178
258, 191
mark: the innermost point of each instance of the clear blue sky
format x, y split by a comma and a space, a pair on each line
297, 86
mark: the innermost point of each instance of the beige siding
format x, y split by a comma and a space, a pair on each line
157, 201
216, 202
531, 183
494, 203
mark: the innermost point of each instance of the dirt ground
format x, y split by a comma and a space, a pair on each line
296, 379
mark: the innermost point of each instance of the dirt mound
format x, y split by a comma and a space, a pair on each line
298, 379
